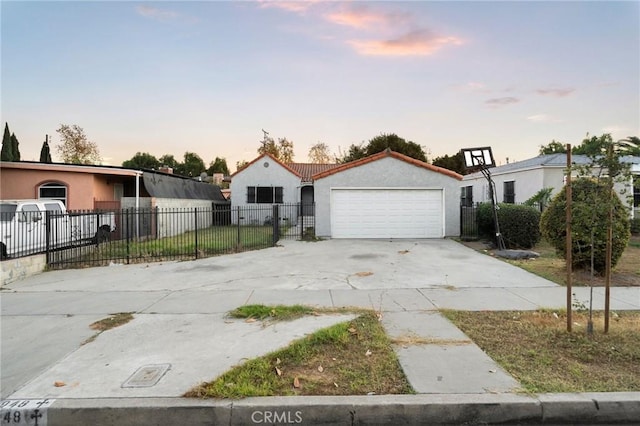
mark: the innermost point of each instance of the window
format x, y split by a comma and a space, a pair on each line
30, 213
466, 196
264, 194
54, 191
636, 192
509, 192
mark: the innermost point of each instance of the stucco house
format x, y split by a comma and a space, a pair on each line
88, 187
385, 195
518, 181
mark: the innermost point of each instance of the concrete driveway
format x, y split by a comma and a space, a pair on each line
180, 309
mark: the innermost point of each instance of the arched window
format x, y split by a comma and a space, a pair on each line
53, 190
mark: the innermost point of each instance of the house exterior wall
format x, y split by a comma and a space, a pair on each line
256, 174
387, 172
24, 184
526, 183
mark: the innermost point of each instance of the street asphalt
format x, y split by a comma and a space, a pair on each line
54, 367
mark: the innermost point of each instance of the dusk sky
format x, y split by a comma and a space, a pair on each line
207, 77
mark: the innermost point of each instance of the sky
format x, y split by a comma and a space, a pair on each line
208, 77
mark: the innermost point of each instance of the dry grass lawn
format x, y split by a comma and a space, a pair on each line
537, 350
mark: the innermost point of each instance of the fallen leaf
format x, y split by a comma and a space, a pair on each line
371, 393
278, 361
296, 383
364, 274
59, 384
368, 353
278, 371
250, 320
320, 368
334, 359
492, 371
379, 315
335, 384
352, 330
403, 251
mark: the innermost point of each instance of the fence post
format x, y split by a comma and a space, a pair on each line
126, 216
301, 221
238, 239
195, 221
47, 237
275, 214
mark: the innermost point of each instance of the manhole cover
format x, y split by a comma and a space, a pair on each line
146, 376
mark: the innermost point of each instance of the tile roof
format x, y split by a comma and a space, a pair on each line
383, 154
307, 170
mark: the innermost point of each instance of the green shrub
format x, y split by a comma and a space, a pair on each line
519, 224
589, 215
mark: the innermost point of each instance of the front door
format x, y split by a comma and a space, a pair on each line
306, 200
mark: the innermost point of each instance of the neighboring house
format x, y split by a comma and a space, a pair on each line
386, 195
517, 182
86, 187
79, 187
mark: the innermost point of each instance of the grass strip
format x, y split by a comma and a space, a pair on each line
351, 358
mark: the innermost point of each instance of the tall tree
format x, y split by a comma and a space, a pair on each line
319, 154
282, 150
219, 165
380, 143
192, 165
454, 162
7, 146
168, 160
241, 165
142, 160
75, 147
15, 147
553, 147
355, 152
45, 151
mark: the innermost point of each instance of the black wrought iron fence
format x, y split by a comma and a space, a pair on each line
146, 235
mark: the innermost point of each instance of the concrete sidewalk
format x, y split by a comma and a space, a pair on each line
180, 336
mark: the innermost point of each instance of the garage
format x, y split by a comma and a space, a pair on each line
387, 195
387, 213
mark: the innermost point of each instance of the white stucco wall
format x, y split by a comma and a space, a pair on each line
527, 183
256, 174
387, 172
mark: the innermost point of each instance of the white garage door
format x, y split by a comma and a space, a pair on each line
387, 213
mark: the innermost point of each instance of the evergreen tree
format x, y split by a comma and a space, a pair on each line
45, 152
15, 147
7, 145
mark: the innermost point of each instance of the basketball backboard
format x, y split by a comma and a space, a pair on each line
478, 157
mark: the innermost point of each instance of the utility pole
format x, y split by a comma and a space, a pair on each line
569, 242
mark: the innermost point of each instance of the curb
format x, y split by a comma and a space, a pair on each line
424, 409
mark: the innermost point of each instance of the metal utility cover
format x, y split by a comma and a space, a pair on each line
146, 376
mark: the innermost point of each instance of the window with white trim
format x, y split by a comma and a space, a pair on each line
54, 191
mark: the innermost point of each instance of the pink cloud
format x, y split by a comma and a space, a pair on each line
414, 43
362, 17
